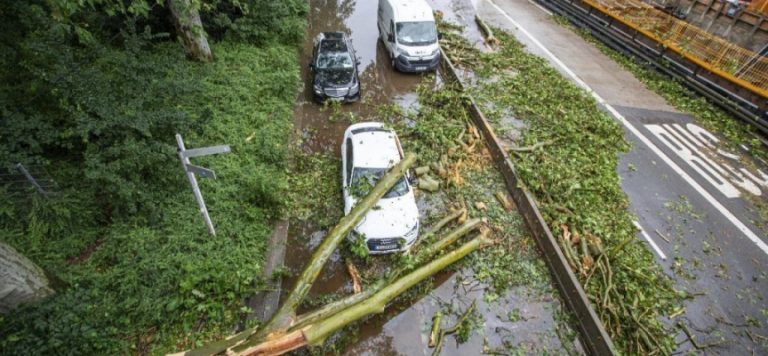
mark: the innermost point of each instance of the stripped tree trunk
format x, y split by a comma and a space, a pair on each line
190, 30
316, 333
284, 316
21, 281
427, 254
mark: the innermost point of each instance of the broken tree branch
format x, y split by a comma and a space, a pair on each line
436, 227
317, 332
355, 275
531, 148
692, 338
490, 39
285, 315
424, 255
434, 334
453, 329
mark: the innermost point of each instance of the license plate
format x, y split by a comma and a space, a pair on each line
336, 98
386, 247
421, 68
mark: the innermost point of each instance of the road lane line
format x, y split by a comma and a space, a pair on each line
542, 8
650, 241
696, 186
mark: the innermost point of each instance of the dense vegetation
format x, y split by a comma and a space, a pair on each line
93, 93
567, 156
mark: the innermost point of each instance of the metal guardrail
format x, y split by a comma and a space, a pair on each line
593, 335
706, 49
760, 6
624, 39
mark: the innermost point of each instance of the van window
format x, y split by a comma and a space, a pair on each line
416, 33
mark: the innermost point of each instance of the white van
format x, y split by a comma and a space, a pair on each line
408, 30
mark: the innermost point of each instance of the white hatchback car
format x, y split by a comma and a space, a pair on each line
368, 151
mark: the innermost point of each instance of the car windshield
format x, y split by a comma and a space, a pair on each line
334, 60
364, 179
416, 33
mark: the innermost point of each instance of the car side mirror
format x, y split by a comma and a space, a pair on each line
311, 66
412, 180
391, 38
439, 36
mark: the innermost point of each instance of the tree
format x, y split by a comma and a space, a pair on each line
185, 13
189, 28
21, 281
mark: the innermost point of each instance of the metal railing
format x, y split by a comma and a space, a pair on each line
760, 6
736, 64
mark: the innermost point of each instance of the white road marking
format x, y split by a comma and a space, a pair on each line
716, 204
542, 8
651, 242
702, 165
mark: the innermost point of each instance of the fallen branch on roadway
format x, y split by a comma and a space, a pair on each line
287, 312
424, 255
531, 148
286, 331
451, 330
490, 39
355, 275
316, 333
285, 315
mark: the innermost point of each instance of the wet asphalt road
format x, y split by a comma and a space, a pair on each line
695, 200
404, 328
691, 196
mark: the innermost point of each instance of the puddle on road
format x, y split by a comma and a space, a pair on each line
379, 82
524, 319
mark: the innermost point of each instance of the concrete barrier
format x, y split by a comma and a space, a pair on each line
593, 335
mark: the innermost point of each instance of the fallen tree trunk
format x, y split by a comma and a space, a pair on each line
429, 252
316, 333
285, 316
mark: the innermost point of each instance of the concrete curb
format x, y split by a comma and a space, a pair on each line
266, 302
593, 334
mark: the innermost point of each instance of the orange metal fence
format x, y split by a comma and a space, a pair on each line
760, 6
736, 64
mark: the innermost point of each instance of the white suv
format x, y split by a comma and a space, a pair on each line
368, 151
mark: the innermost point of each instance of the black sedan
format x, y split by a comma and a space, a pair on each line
334, 68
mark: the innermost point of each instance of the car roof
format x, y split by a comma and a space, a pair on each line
374, 147
333, 42
412, 11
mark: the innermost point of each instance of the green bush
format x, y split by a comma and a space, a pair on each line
134, 268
